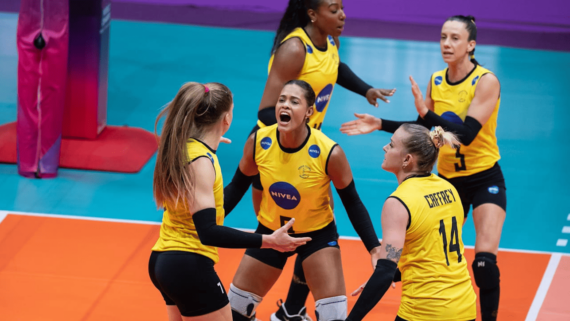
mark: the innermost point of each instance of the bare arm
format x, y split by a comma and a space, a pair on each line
287, 65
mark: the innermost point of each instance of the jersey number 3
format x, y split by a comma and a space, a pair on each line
453, 247
461, 166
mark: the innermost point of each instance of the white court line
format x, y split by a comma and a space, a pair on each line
561, 242
100, 219
543, 288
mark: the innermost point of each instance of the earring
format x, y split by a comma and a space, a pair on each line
312, 21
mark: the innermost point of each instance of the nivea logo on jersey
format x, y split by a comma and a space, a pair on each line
309, 49
474, 81
494, 189
331, 40
211, 157
265, 143
285, 195
314, 151
452, 117
323, 98
438, 80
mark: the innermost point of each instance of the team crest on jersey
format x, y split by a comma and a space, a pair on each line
285, 195
437, 81
211, 157
265, 143
462, 96
304, 171
474, 81
314, 151
323, 98
452, 117
309, 49
494, 189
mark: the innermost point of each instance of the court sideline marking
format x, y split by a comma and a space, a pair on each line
543, 288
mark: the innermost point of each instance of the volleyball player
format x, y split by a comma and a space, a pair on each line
188, 184
296, 164
306, 47
421, 234
464, 98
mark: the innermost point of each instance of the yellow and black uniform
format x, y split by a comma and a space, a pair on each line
177, 231
295, 185
451, 102
180, 266
435, 281
473, 169
320, 70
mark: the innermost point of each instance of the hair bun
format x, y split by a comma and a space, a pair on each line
471, 18
437, 136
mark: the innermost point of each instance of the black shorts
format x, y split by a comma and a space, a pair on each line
187, 280
323, 238
485, 187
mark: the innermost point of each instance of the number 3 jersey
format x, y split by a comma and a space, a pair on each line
451, 102
295, 182
435, 281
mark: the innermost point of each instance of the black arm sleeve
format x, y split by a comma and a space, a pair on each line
235, 190
466, 131
391, 126
212, 234
349, 80
374, 290
267, 116
358, 215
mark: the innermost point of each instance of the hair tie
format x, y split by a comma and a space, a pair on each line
206, 89
473, 21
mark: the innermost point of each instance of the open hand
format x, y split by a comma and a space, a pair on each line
418, 98
374, 93
363, 125
281, 241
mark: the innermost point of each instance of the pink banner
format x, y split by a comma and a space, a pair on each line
41, 85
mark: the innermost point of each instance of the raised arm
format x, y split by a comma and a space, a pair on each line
339, 171
287, 65
395, 219
481, 107
247, 169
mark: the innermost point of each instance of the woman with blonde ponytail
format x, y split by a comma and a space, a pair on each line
464, 98
188, 185
421, 235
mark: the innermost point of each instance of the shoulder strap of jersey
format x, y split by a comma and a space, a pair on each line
297, 33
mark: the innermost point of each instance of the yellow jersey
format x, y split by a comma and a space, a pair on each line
295, 182
177, 231
320, 71
435, 281
451, 102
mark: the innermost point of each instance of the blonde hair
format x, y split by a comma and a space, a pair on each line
425, 145
189, 115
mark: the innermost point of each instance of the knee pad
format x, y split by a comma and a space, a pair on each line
331, 309
243, 302
486, 271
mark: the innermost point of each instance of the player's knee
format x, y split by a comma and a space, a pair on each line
243, 303
331, 309
486, 271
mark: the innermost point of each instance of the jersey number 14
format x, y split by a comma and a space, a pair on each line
453, 247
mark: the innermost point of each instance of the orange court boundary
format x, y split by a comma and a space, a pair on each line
62, 267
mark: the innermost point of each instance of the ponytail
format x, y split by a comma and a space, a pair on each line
295, 16
471, 27
194, 109
425, 145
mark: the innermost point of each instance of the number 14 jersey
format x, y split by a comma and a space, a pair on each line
435, 281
